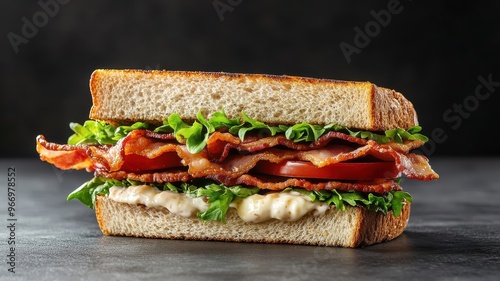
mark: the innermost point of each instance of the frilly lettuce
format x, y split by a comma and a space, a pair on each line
196, 134
219, 196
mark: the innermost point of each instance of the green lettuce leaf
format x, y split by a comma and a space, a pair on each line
392, 201
99, 132
250, 124
220, 120
219, 198
196, 134
87, 192
399, 135
398, 201
304, 132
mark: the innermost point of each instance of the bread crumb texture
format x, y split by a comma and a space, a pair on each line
350, 228
124, 96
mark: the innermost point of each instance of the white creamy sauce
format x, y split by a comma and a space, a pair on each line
176, 203
289, 206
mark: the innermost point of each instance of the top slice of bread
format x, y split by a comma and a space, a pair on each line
124, 96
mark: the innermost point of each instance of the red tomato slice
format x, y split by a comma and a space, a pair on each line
337, 171
138, 163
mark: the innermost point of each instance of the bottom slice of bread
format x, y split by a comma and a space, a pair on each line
353, 227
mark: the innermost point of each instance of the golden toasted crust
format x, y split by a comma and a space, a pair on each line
350, 228
124, 96
374, 227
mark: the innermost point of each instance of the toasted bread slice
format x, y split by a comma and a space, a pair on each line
124, 96
353, 227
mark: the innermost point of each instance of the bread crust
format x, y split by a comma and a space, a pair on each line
125, 96
353, 227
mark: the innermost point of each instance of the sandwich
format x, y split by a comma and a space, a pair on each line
244, 157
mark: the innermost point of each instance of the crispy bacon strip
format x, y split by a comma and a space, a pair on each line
140, 142
105, 157
220, 144
412, 165
237, 164
64, 157
266, 182
261, 181
109, 159
158, 177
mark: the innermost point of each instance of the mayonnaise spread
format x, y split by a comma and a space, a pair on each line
285, 206
176, 203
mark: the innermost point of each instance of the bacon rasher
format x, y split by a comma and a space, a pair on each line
229, 160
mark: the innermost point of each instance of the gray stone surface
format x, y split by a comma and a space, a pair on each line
453, 234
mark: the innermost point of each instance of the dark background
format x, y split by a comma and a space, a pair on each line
431, 52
